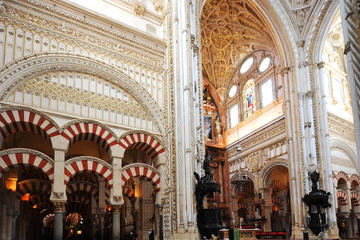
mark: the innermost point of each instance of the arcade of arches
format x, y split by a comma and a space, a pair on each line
107, 108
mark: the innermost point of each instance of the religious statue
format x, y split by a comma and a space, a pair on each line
218, 131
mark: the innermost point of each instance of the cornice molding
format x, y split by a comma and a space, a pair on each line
338, 125
269, 133
119, 39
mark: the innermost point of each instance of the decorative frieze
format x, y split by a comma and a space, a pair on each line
338, 125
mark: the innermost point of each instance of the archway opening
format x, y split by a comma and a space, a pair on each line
25, 201
139, 212
277, 183
27, 135
88, 211
87, 144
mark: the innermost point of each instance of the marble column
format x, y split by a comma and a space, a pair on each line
101, 214
235, 217
158, 208
325, 151
58, 220
93, 218
9, 223
58, 193
267, 208
3, 221
116, 222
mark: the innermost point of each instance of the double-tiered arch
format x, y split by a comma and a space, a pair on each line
87, 163
20, 156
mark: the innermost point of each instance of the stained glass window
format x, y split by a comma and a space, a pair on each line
249, 98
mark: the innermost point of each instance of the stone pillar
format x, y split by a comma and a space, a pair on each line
188, 135
348, 226
93, 218
116, 222
116, 191
1, 211
350, 22
295, 162
58, 193
58, 220
101, 214
58, 188
267, 208
11, 214
324, 140
3, 220
235, 217
158, 209
9, 223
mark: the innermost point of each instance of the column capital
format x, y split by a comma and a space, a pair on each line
117, 201
116, 209
101, 211
300, 44
285, 70
59, 206
320, 65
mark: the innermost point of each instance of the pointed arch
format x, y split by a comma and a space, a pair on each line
22, 156
143, 141
80, 164
17, 72
141, 170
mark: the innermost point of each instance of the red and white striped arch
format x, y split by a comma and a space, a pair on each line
342, 175
341, 196
20, 158
355, 178
143, 142
141, 170
70, 132
355, 199
77, 165
19, 120
35, 186
78, 187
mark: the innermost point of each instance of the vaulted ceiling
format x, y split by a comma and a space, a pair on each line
231, 30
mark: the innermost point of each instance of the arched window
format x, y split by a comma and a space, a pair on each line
234, 115
256, 86
249, 98
266, 92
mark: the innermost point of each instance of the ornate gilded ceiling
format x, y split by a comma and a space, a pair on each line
231, 30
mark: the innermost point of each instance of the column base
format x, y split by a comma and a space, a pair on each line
297, 233
334, 232
191, 234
